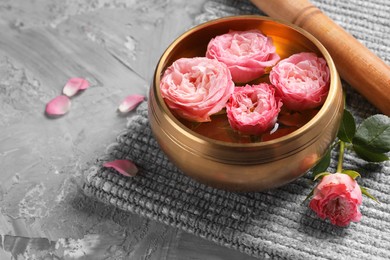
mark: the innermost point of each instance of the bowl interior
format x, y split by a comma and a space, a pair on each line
288, 39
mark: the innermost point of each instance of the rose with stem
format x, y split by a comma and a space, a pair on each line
338, 196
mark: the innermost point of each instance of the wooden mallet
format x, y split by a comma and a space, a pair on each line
356, 64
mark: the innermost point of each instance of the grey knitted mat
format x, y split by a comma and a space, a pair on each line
272, 224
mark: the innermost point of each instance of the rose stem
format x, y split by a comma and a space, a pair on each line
341, 157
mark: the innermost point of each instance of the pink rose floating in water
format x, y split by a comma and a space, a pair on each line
301, 80
195, 88
246, 53
337, 197
253, 109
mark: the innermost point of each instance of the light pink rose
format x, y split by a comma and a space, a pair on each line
302, 81
195, 88
253, 109
246, 53
338, 198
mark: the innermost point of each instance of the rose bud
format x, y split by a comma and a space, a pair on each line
246, 53
302, 81
195, 88
253, 109
337, 197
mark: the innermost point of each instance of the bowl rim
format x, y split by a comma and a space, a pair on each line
333, 87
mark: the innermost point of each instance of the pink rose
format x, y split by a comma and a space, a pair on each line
195, 88
302, 81
246, 53
253, 109
337, 197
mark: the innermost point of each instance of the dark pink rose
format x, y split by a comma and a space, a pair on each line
246, 53
337, 197
253, 109
302, 81
195, 88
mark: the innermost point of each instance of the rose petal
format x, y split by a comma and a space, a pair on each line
124, 167
130, 102
84, 84
74, 85
58, 106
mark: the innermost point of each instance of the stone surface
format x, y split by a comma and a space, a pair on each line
115, 45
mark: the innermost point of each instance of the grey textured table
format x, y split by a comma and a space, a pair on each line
114, 44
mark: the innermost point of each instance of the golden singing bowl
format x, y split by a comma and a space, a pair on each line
250, 166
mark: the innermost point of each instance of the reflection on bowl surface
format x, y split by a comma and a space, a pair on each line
245, 166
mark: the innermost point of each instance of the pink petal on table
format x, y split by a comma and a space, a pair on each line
124, 167
130, 102
74, 85
84, 83
58, 106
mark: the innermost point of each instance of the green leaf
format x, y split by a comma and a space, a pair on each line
321, 175
368, 155
374, 134
366, 193
347, 128
323, 164
308, 196
351, 173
